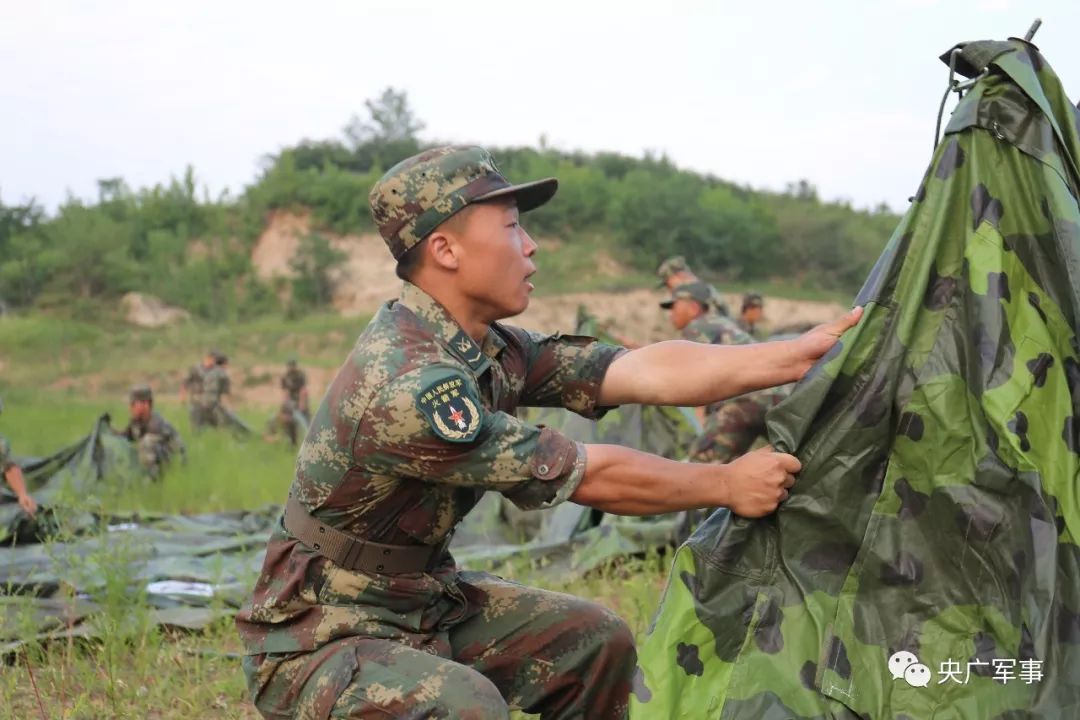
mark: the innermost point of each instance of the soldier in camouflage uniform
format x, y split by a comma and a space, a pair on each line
294, 383
751, 314
215, 386
731, 427
12, 474
293, 416
360, 611
192, 387
674, 272
157, 440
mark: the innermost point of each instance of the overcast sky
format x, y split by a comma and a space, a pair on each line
842, 93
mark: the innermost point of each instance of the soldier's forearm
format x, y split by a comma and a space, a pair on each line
15, 480
678, 372
629, 482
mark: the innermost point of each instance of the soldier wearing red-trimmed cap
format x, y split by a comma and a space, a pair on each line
360, 610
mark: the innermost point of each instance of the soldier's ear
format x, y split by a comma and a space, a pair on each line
443, 251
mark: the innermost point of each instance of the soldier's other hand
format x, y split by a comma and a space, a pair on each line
28, 504
816, 342
759, 481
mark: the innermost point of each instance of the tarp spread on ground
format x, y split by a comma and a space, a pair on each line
101, 459
926, 564
187, 570
192, 570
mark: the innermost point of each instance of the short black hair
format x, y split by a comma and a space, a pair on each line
409, 263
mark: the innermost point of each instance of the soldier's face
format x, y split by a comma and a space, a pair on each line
140, 409
683, 311
753, 314
496, 260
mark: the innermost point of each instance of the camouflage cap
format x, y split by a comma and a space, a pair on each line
415, 196
290, 362
671, 266
141, 392
752, 299
696, 290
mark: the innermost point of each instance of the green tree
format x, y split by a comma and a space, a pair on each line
314, 262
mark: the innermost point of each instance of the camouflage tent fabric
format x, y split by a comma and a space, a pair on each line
67, 477
926, 564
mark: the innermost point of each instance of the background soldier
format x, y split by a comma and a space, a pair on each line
730, 427
292, 417
752, 313
191, 390
294, 383
360, 611
215, 386
13, 475
157, 440
675, 271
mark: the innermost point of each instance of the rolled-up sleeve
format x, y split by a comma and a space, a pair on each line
6, 461
534, 466
566, 371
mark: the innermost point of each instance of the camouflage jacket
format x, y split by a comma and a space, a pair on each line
154, 425
5, 455
292, 382
753, 330
715, 329
215, 384
193, 383
416, 426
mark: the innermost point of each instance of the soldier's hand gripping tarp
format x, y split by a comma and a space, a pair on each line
926, 564
66, 478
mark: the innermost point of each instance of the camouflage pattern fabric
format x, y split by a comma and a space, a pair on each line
193, 385
419, 193
210, 412
415, 427
156, 440
733, 426
716, 330
288, 421
677, 265
5, 455
926, 563
293, 382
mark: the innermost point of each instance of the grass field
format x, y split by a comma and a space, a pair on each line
138, 671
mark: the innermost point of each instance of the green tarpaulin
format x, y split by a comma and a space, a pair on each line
926, 564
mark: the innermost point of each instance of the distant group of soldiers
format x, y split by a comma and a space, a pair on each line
696, 309
157, 441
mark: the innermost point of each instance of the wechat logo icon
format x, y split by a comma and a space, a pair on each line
904, 664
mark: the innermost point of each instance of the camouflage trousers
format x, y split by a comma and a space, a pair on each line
732, 429
518, 647
216, 416
290, 422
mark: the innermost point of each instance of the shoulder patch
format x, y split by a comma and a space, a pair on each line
451, 408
